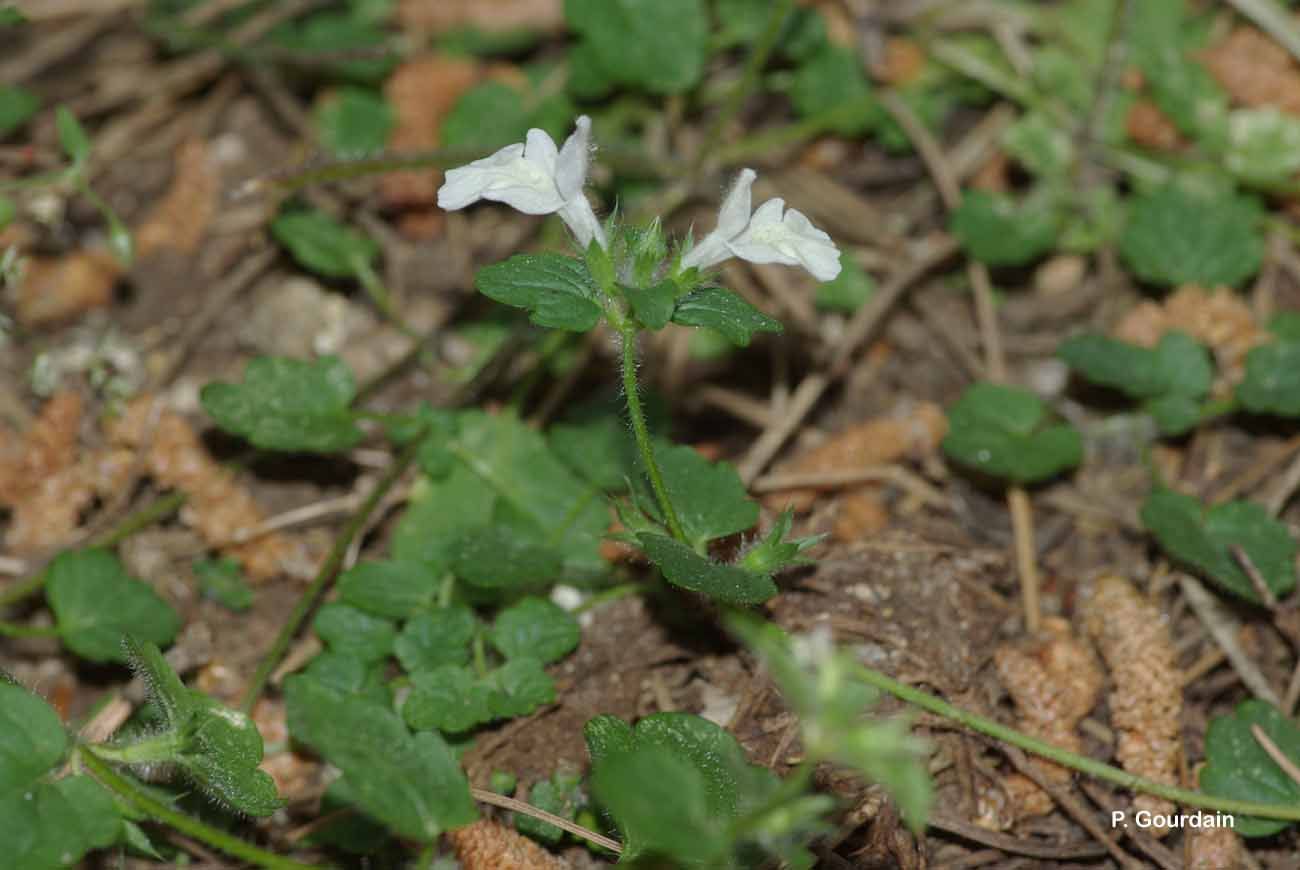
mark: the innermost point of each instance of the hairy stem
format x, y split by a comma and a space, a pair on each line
329, 569
213, 837
1083, 764
642, 431
163, 747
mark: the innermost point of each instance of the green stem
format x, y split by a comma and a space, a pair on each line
161, 507
1083, 764
758, 56
156, 510
378, 293
642, 432
213, 837
329, 569
9, 629
164, 747
480, 654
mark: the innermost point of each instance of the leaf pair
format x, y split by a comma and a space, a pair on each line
1006, 432
1204, 538
560, 293
409, 782
1171, 380
675, 785
218, 748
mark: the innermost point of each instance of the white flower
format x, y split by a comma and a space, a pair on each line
733, 217
773, 234
533, 177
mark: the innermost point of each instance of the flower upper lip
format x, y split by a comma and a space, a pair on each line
533, 177
772, 234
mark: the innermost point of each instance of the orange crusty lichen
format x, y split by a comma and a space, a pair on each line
217, 506
489, 845
1218, 318
1146, 706
1054, 680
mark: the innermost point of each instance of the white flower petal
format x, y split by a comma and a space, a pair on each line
789, 239
581, 220
540, 151
733, 217
464, 185
571, 168
768, 213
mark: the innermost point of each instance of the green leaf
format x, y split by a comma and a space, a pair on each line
45, 824
1263, 146
429, 530
686, 568
223, 582
1272, 382
448, 698
535, 627
72, 138
411, 783
1237, 765
710, 499
80, 582
653, 306
1179, 236
849, 290
497, 558
561, 795
658, 801
703, 776
720, 309
1285, 325
16, 106
354, 122
1004, 432
431, 640
53, 824
1203, 539
492, 113
537, 497
1040, 145
288, 404
831, 78
393, 590
320, 243
351, 676
354, 633
219, 749
1173, 378
32, 739
1116, 364
596, 442
556, 290
997, 230
1181, 87
519, 687
327, 35
658, 45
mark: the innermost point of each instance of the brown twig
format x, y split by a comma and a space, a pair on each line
518, 806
